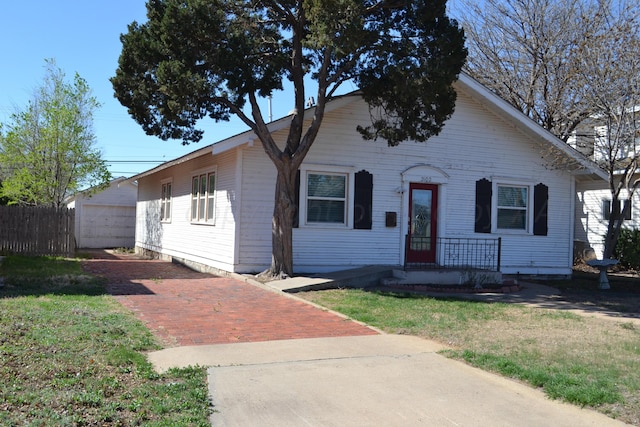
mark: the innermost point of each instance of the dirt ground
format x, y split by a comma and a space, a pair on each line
624, 295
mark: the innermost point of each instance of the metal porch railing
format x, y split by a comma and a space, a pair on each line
458, 253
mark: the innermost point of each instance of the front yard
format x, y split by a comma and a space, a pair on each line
71, 355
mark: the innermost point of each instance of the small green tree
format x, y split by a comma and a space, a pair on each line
215, 58
3, 200
47, 150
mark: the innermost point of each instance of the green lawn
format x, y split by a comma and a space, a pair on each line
586, 361
70, 355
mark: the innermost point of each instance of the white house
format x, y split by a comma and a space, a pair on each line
593, 208
593, 197
106, 219
491, 173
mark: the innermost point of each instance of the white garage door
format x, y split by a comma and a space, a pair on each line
106, 226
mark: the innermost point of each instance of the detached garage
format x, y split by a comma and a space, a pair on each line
106, 219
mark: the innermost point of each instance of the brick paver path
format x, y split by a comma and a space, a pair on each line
184, 307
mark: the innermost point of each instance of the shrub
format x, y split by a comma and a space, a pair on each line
628, 248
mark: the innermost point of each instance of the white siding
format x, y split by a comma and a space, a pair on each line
590, 225
104, 226
258, 194
474, 144
209, 244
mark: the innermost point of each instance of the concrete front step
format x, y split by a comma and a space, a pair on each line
476, 278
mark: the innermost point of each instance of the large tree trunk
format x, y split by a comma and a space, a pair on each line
610, 239
615, 225
282, 223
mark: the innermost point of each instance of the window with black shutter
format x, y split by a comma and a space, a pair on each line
511, 210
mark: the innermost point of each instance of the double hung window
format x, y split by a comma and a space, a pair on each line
203, 187
607, 211
329, 196
326, 198
165, 202
512, 207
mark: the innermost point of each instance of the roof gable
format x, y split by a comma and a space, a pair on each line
114, 183
557, 151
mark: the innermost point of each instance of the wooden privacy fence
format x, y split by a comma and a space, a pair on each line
27, 230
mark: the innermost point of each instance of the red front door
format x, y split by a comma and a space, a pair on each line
423, 211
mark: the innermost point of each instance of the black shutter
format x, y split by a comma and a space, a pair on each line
483, 206
627, 213
296, 215
606, 209
362, 201
540, 204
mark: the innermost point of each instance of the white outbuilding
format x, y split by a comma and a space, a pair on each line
106, 219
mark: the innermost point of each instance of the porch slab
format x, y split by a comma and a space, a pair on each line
443, 277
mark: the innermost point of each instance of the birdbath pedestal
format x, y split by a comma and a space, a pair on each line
603, 265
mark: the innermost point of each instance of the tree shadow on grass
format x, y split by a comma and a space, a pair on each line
581, 293
69, 285
623, 297
22, 276
21, 286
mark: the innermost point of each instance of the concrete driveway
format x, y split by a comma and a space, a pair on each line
376, 380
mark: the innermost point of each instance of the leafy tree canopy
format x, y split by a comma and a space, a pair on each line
47, 150
215, 58
3, 200
196, 58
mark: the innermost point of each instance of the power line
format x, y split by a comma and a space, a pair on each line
135, 161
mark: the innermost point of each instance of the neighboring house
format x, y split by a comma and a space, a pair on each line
583, 138
491, 173
590, 138
593, 198
106, 219
593, 208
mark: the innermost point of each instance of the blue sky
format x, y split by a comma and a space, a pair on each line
84, 36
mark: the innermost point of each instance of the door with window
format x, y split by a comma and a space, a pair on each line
423, 210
